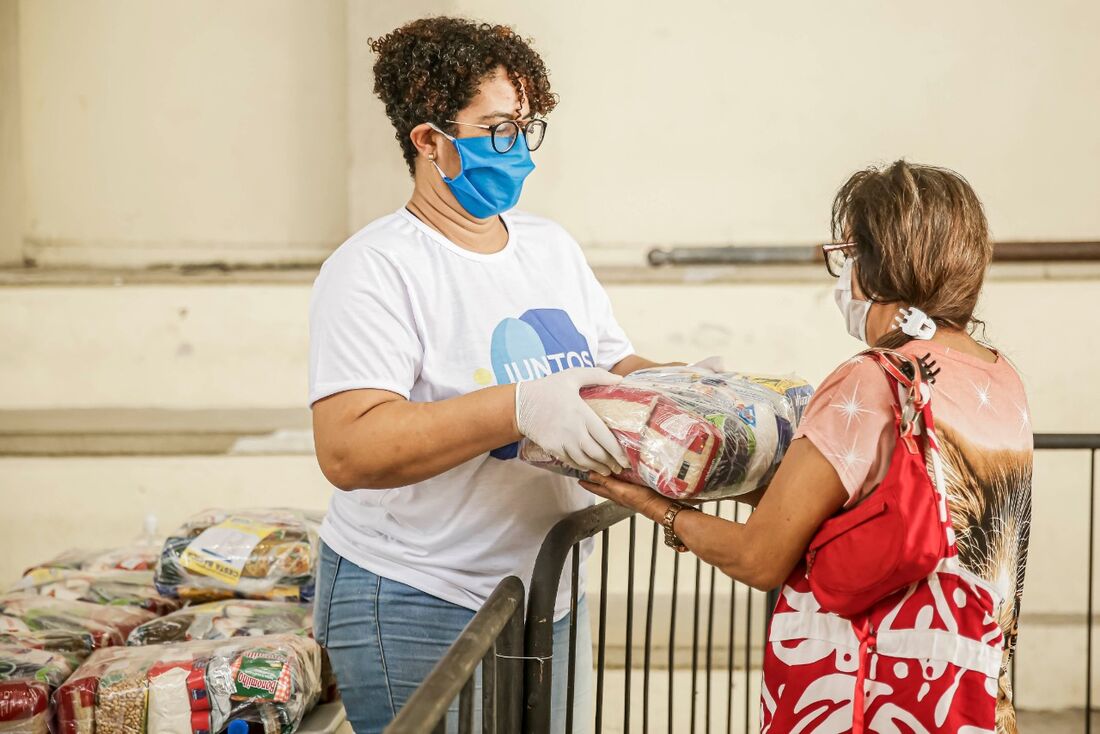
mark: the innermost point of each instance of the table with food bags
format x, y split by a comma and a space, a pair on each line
209, 630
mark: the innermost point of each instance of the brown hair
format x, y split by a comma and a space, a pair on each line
922, 240
430, 69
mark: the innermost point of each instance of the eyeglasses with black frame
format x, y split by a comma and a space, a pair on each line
836, 254
504, 134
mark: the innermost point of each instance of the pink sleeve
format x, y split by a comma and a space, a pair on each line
850, 420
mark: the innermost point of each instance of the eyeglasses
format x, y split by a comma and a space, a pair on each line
505, 134
836, 255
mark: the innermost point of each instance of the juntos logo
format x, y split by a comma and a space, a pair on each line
539, 343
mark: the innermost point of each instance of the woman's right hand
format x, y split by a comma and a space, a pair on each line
550, 412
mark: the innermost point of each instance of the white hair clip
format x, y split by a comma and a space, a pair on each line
915, 323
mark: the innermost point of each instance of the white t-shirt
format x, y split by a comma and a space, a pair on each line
399, 307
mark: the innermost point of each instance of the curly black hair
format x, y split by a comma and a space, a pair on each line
431, 68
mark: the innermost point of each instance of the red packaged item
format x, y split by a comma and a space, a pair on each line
24, 707
27, 678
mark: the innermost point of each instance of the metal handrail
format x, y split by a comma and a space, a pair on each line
494, 637
539, 630
808, 254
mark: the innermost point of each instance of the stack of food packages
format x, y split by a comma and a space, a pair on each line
193, 687
694, 435
238, 650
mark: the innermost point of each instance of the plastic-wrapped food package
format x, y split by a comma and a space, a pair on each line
229, 618
694, 435
250, 554
27, 677
28, 614
226, 619
193, 687
73, 645
24, 707
127, 588
141, 556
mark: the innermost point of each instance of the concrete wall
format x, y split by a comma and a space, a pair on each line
716, 122
189, 132
183, 131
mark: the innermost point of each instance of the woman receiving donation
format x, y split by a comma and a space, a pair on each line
897, 523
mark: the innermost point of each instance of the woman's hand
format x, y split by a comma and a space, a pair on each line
641, 499
762, 550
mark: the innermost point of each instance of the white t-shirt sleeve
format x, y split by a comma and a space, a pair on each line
362, 331
614, 345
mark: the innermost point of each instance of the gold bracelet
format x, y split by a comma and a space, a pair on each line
671, 539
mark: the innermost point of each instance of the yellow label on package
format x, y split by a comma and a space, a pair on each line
221, 551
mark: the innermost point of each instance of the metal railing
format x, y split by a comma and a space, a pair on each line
719, 672
493, 643
1079, 442
562, 544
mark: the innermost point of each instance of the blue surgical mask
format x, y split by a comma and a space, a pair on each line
488, 182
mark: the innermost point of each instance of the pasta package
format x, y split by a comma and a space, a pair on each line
694, 435
248, 554
224, 620
127, 588
28, 615
27, 677
193, 687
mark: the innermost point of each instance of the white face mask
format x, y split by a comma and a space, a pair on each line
852, 309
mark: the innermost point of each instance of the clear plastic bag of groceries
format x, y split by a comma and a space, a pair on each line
125, 588
139, 556
695, 435
30, 616
248, 554
28, 676
188, 687
73, 645
224, 620
230, 618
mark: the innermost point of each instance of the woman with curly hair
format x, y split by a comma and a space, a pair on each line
440, 335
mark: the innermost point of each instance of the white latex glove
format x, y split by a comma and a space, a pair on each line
550, 412
710, 364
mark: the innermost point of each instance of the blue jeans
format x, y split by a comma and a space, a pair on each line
384, 637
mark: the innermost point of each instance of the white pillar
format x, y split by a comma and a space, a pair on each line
11, 169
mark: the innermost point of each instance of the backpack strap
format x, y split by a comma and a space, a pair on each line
912, 394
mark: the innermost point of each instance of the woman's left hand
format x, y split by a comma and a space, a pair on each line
642, 499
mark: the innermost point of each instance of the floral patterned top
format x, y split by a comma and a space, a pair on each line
986, 445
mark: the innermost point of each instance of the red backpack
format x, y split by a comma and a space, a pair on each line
895, 536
